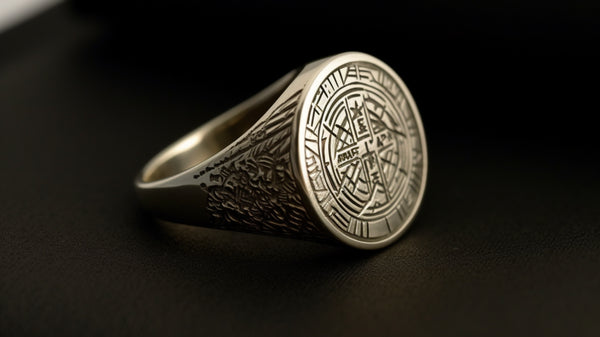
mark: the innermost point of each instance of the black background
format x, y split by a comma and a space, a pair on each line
507, 242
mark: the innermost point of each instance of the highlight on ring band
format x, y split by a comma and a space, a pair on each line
333, 152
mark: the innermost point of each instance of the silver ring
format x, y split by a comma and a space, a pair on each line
333, 151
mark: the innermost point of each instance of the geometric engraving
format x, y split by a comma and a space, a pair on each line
363, 151
252, 189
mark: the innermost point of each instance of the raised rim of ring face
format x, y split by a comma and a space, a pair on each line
299, 158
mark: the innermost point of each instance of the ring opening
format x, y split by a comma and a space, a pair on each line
215, 135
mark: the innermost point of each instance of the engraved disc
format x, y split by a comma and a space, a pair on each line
362, 151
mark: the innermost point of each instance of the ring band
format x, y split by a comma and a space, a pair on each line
333, 151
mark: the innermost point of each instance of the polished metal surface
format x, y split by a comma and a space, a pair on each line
332, 151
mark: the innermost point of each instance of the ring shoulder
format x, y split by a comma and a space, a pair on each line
251, 188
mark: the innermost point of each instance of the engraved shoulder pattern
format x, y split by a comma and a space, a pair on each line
253, 189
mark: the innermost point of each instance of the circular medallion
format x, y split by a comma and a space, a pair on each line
362, 152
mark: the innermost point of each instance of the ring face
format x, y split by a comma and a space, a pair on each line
362, 151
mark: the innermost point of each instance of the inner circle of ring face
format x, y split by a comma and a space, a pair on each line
362, 152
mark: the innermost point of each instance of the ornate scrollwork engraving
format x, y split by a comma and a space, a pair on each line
252, 189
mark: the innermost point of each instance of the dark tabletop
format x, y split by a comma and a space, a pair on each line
507, 242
